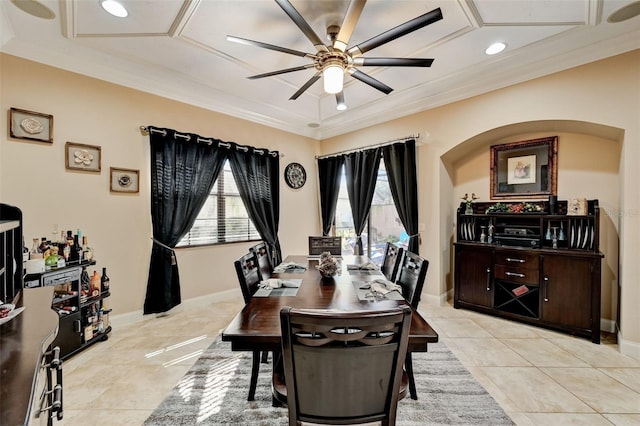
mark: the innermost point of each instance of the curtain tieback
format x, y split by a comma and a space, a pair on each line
173, 253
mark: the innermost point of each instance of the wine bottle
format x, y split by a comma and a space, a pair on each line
104, 281
76, 250
85, 284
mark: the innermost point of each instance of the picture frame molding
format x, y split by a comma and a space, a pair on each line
115, 187
17, 131
546, 163
95, 150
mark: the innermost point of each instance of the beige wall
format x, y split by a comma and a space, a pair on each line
595, 109
89, 111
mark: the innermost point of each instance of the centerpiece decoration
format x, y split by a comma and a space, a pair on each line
469, 201
328, 265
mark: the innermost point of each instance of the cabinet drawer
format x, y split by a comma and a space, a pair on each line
517, 274
517, 260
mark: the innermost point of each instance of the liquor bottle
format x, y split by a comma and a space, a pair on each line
94, 289
69, 238
87, 251
43, 247
25, 251
104, 281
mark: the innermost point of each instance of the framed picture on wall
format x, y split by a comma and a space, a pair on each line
82, 157
524, 169
30, 125
124, 180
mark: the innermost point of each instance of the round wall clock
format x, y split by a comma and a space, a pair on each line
295, 175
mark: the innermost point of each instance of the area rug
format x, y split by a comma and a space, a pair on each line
214, 392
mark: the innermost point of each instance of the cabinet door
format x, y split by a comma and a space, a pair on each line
69, 337
473, 280
567, 291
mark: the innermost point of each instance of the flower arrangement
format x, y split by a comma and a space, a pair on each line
514, 208
468, 199
328, 265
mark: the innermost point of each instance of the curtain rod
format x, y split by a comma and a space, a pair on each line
146, 130
362, 148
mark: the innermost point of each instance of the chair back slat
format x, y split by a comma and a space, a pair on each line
344, 367
411, 276
248, 275
391, 261
264, 260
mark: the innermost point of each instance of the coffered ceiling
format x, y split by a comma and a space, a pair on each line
178, 49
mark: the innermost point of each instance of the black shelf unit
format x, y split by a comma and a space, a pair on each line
73, 309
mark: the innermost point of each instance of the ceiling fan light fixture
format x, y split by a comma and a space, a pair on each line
495, 48
333, 75
114, 8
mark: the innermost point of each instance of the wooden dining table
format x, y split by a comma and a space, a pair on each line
257, 326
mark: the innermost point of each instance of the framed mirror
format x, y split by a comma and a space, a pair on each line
526, 169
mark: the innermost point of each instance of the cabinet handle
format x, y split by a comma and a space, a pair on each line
511, 259
514, 274
546, 284
488, 279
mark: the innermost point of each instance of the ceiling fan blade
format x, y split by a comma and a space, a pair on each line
302, 24
283, 71
340, 101
348, 24
268, 46
365, 78
394, 33
305, 86
392, 62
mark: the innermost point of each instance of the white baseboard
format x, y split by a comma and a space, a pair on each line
129, 318
629, 348
608, 325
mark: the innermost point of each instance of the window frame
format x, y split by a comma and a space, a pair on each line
218, 192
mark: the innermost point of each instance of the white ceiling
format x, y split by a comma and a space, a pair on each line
178, 49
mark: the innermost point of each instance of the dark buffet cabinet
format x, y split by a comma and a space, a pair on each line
534, 267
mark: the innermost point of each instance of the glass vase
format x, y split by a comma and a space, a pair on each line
468, 209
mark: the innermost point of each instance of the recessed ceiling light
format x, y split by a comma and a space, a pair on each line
341, 106
34, 8
115, 8
495, 48
626, 12
313, 125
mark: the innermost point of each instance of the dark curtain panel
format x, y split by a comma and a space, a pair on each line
257, 175
183, 171
361, 169
400, 162
329, 176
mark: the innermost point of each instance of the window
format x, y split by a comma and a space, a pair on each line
223, 217
383, 224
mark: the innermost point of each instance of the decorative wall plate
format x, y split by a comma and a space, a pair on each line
295, 175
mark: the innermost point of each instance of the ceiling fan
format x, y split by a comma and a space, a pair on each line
332, 61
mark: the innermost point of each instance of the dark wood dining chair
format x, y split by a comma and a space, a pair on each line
391, 261
249, 278
411, 276
343, 367
264, 260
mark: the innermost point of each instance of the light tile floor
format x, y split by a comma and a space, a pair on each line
539, 377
